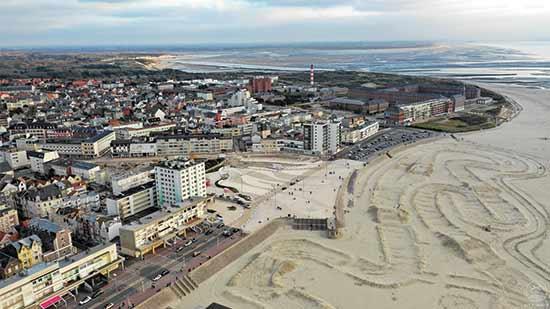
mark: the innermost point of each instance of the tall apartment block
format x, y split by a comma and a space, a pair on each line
322, 137
179, 180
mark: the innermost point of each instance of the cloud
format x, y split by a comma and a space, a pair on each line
189, 21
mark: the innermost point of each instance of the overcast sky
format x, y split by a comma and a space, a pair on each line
132, 22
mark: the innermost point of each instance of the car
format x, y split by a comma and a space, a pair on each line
180, 248
221, 225
227, 233
196, 253
208, 232
188, 243
109, 306
235, 230
85, 300
157, 277
165, 272
97, 293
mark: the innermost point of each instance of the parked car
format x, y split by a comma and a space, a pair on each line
180, 248
188, 243
196, 253
165, 272
208, 232
221, 225
85, 300
157, 277
109, 306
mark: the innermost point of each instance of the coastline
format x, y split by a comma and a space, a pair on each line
379, 184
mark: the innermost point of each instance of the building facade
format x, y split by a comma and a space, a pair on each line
322, 137
155, 230
132, 201
47, 280
8, 219
179, 180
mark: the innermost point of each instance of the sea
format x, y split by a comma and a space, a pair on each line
520, 63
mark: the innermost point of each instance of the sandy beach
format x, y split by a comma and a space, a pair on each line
446, 224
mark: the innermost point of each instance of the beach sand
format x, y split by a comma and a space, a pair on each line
445, 224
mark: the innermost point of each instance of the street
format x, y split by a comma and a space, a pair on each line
134, 284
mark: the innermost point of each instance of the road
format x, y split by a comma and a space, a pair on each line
134, 284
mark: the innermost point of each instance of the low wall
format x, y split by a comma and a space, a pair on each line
160, 300
229, 255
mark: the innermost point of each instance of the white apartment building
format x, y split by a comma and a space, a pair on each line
15, 158
179, 180
94, 147
132, 201
130, 179
129, 133
38, 158
322, 137
184, 145
153, 231
49, 281
355, 135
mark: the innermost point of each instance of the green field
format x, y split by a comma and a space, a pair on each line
463, 123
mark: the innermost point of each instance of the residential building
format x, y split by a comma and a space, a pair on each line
39, 158
156, 229
186, 145
406, 114
129, 179
39, 202
179, 180
458, 102
88, 148
56, 241
15, 158
66, 167
27, 250
360, 133
9, 266
129, 133
132, 201
8, 219
322, 137
260, 84
49, 281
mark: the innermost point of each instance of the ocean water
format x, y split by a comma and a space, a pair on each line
524, 63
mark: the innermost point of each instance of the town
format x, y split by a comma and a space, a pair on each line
132, 184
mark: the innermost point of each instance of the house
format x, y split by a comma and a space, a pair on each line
56, 241
9, 266
27, 250
39, 202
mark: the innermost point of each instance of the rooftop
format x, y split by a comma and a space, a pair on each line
163, 213
135, 190
177, 164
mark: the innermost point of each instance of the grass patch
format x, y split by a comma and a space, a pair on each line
457, 124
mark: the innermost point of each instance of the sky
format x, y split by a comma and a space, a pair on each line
187, 22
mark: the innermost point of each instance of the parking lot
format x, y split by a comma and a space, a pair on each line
383, 141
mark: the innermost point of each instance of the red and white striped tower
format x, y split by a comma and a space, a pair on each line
312, 76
